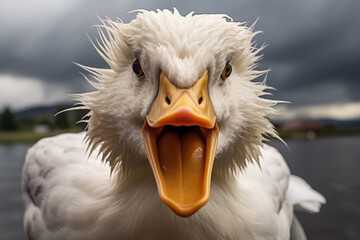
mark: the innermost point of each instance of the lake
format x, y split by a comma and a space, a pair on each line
330, 165
11, 206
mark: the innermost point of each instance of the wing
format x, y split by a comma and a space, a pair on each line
287, 192
271, 178
276, 174
57, 174
282, 185
303, 197
265, 187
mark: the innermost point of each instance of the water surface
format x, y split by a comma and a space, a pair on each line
330, 165
11, 207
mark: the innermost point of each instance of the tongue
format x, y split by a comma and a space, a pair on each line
182, 161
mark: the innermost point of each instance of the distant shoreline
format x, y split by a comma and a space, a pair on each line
31, 137
311, 134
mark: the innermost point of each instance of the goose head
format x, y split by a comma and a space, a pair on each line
179, 98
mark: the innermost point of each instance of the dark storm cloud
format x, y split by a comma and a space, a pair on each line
313, 46
318, 55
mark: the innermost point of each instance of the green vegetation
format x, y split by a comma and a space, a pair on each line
62, 119
14, 128
7, 121
31, 129
30, 137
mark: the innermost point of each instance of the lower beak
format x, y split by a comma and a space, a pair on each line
180, 135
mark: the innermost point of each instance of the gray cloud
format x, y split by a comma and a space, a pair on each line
313, 46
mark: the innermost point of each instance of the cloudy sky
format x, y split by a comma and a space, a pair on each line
313, 48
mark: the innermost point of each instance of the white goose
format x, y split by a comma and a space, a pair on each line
177, 116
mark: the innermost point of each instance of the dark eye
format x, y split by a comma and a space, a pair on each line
226, 72
136, 66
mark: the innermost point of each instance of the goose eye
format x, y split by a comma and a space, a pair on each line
136, 66
226, 72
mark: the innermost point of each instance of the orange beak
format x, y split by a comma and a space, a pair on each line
180, 135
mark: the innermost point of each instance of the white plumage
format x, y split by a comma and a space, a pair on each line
111, 192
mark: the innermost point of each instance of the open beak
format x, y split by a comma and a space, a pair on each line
180, 135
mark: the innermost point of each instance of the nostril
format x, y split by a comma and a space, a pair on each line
167, 99
200, 99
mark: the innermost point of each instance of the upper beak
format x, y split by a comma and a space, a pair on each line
182, 107
180, 135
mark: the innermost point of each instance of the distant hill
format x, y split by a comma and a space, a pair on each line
340, 123
302, 125
51, 110
38, 111
326, 122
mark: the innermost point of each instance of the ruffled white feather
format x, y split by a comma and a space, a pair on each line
181, 47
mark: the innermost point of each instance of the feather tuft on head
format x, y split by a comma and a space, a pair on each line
182, 47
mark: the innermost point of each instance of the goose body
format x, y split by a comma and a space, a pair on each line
99, 184
71, 196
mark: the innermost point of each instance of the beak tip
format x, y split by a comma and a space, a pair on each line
184, 210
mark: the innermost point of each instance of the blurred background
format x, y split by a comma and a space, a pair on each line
313, 50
